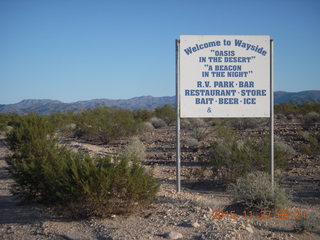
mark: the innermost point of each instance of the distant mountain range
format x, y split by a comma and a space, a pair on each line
46, 106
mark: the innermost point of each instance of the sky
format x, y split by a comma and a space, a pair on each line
71, 50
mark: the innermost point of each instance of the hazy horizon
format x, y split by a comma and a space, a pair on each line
116, 99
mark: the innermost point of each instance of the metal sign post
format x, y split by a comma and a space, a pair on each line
178, 114
271, 117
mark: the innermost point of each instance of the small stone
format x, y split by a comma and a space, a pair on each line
173, 235
113, 216
249, 229
195, 224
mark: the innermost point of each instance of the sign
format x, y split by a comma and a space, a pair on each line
224, 76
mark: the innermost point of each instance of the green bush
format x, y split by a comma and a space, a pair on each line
143, 115
28, 132
103, 125
79, 184
167, 113
296, 109
62, 122
254, 191
6, 119
232, 156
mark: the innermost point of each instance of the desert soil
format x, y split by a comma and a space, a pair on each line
187, 214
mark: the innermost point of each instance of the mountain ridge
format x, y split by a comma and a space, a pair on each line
47, 106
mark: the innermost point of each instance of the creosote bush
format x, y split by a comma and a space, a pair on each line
166, 113
296, 109
81, 185
103, 125
255, 192
6, 120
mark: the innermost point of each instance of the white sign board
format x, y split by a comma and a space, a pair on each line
224, 76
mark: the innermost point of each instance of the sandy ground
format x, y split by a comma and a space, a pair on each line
189, 213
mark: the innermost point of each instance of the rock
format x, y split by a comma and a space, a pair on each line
195, 224
173, 235
249, 229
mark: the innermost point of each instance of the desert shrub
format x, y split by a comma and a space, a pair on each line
62, 123
143, 115
185, 123
146, 127
245, 123
311, 119
311, 145
191, 143
7, 119
104, 125
280, 116
233, 157
296, 109
157, 122
255, 192
308, 221
82, 185
3, 121
28, 130
167, 113
290, 116
135, 150
199, 128
282, 149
